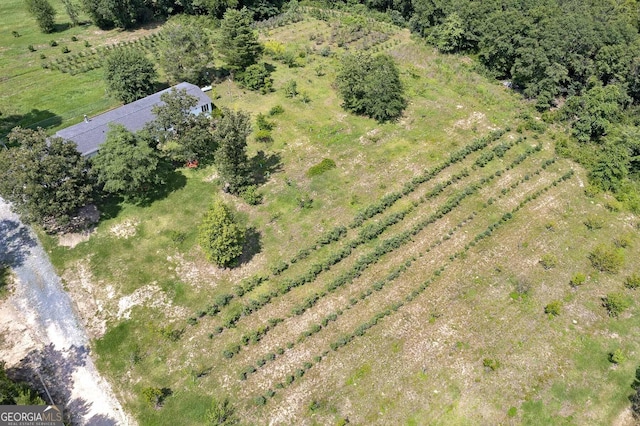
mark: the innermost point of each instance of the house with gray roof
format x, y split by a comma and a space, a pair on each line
92, 132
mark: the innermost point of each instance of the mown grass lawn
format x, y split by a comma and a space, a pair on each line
32, 96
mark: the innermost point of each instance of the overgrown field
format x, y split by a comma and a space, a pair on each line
406, 285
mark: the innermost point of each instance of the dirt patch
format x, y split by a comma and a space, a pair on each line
474, 119
73, 239
625, 419
151, 296
15, 338
90, 298
126, 229
97, 302
372, 136
202, 274
213, 176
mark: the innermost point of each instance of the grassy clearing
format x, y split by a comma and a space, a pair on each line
450, 277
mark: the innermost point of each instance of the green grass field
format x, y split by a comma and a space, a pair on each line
33, 96
393, 320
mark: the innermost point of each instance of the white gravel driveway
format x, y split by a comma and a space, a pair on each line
61, 355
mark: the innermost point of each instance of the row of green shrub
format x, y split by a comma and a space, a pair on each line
379, 285
386, 246
393, 307
387, 201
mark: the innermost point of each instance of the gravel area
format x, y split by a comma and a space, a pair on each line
60, 353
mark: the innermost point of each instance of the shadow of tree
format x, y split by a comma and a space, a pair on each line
263, 166
15, 242
252, 246
34, 118
55, 368
174, 180
58, 28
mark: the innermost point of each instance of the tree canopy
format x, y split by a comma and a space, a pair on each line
220, 235
46, 182
187, 53
231, 157
44, 13
371, 86
117, 13
16, 393
126, 165
129, 75
182, 135
238, 43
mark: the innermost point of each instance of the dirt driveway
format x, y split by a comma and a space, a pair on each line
42, 340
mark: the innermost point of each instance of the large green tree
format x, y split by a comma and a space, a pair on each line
16, 393
129, 75
594, 113
238, 42
231, 157
44, 13
182, 135
46, 179
220, 235
118, 13
186, 53
371, 86
72, 11
125, 165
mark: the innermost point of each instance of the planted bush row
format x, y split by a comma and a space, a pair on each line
389, 199
363, 328
392, 243
379, 285
368, 233
340, 231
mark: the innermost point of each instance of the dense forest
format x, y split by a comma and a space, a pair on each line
578, 61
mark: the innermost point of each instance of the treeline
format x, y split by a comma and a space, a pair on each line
127, 14
578, 60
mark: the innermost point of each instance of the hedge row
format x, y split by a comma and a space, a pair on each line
390, 244
379, 285
393, 307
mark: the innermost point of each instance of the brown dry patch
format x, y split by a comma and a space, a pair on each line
16, 340
204, 275
125, 229
93, 300
74, 238
97, 302
150, 296
626, 418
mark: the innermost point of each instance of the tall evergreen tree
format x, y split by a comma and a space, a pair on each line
186, 52
47, 182
238, 43
220, 236
231, 156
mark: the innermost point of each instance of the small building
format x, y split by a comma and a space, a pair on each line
92, 132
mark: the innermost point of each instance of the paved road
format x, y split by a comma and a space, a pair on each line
63, 360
